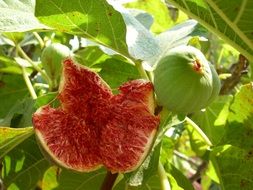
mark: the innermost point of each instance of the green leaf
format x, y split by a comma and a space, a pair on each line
12, 89
45, 99
213, 119
230, 20
49, 181
69, 180
20, 115
233, 166
96, 20
24, 166
144, 18
152, 184
162, 20
90, 56
234, 157
180, 178
18, 16
181, 33
115, 72
239, 128
11, 137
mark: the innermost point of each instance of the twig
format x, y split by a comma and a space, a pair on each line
186, 158
165, 185
199, 171
41, 42
109, 181
199, 131
236, 70
28, 83
141, 70
37, 68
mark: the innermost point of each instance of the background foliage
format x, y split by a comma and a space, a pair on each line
211, 149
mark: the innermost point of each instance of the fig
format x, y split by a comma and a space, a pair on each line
128, 135
184, 82
216, 85
51, 59
92, 127
70, 133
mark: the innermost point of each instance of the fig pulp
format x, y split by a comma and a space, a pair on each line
93, 127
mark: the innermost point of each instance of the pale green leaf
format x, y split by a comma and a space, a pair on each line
18, 16
162, 20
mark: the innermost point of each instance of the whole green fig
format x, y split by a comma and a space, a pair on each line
184, 82
51, 58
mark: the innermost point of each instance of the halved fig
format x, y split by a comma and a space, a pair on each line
70, 133
128, 135
93, 127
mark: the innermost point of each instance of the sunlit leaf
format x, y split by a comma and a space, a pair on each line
24, 166
11, 137
18, 16
230, 20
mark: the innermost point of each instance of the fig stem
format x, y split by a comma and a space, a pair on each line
29, 84
165, 185
37, 68
199, 131
109, 181
141, 70
41, 42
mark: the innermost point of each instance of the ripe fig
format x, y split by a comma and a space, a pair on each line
70, 133
93, 127
128, 135
183, 80
51, 59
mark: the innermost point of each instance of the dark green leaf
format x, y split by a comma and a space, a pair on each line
24, 166
180, 178
73, 181
115, 72
20, 115
12, 89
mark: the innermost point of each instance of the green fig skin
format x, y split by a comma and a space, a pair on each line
51, 59
216, 85
183, 80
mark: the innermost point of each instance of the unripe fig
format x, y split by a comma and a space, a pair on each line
216, 85
183, 80
51, 58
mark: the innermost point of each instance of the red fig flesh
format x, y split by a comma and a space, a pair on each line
94, 127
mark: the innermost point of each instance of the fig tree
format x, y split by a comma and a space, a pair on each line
184, 82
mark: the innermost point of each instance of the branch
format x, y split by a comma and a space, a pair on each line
237, 70
199, 171
109, 181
